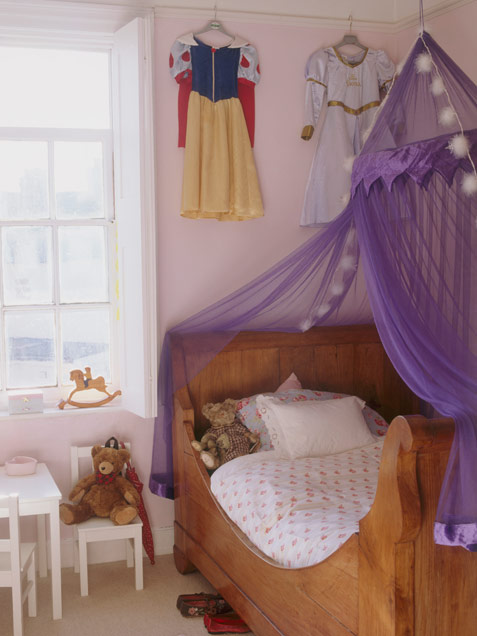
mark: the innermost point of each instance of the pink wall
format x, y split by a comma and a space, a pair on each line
201, 261
48, 439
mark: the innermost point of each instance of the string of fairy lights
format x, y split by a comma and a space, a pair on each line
459, 144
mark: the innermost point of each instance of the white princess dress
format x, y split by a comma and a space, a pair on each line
349, 85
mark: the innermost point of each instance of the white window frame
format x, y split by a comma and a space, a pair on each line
50, 136
138, 315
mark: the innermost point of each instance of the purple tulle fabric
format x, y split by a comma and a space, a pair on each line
402, 254
321, 282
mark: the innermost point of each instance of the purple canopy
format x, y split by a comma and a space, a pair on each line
403, 253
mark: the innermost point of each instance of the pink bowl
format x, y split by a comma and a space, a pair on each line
21, 465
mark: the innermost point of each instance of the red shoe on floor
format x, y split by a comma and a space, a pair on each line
230, 623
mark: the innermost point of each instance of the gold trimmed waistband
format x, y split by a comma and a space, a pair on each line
355, 111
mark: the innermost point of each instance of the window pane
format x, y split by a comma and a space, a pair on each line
83, 265
27, 269
85, 342
79, 180
30, 341
23, 180
69, 89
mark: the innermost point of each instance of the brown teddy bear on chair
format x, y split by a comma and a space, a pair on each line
226, 438
104, 493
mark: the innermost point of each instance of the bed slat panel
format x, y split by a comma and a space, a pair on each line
334, 368
271, 615
260, 371
368, 373
301, 361
396, 398
452, 599
219, 380
337, 585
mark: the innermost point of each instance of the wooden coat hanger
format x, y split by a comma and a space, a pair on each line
350, 38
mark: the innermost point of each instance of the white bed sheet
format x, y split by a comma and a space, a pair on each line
299, 511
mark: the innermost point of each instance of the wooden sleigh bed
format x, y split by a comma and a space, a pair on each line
390, 578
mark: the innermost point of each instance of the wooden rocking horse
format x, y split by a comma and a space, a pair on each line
85, 381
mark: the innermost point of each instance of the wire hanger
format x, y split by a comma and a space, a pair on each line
350, 38
214, 25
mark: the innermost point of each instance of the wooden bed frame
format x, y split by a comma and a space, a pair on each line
390, 578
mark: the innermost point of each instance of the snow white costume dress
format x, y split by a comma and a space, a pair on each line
215, 87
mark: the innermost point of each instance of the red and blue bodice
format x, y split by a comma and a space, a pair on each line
215, 73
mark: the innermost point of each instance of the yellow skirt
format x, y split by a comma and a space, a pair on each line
220, 178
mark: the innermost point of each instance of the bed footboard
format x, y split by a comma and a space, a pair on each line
407, 584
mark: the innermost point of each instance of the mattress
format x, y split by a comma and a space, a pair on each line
298, 512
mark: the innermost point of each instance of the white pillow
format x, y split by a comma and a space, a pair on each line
314, 428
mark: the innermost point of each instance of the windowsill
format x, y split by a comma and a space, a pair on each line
49, 412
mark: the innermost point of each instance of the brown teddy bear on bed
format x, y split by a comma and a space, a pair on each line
226, 438
104, 493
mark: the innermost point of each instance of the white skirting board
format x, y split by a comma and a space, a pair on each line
107, 551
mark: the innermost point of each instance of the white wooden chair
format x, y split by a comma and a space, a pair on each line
99, 529
17, 565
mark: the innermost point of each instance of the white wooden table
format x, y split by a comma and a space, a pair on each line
39, 495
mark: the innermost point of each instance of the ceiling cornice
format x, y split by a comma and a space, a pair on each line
271, 18
41, 18
436, 11
391, 26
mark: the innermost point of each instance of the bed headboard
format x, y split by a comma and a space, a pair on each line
349, 359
